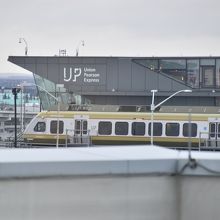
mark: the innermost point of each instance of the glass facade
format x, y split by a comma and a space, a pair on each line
48, 102
149, 63
173, 64
194, 72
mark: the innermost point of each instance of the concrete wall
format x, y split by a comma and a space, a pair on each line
110, 197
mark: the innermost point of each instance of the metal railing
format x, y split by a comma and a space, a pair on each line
209, 140
73, 138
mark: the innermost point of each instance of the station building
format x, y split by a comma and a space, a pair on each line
124, 81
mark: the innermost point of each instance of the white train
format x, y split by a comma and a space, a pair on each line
171, 129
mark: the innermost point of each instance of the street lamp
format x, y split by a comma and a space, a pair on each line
82, 42
26, 45
153, 107
58, 106
15, 91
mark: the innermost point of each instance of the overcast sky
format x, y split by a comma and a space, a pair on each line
109, 28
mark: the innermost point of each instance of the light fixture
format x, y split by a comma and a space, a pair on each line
82, 43
26, 45
153, 107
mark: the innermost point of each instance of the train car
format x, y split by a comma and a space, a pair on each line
170, 129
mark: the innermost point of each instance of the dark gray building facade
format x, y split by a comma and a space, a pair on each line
125, 80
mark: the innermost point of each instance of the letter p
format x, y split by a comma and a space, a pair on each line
77, 73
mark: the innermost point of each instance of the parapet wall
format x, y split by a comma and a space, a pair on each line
120, 183
111, 197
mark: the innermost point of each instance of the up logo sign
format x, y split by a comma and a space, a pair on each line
72, 75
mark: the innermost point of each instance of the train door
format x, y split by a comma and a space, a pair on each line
214, 134
81, 131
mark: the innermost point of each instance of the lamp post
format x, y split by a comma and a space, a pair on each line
58, 107
82, 42
22, 109
15, 91
153, 107
26, 45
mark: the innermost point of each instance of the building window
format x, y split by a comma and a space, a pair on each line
176, 74
189, 126
105, 128
157, 129
193, 73
208, 76
175, 68
40, 127
172, 129
121, 128
53, 127
218, 73
178, 64
207, 62
151, 64
138, 128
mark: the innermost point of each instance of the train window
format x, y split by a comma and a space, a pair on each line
186, 129
77, 126
138, 128
53, 127
218, 130
81, 127
172, 129
84, 125
105, 128
212, 128
40, 127
121, 128
157, 129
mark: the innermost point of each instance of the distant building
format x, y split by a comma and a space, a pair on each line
7, 123
27, 107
